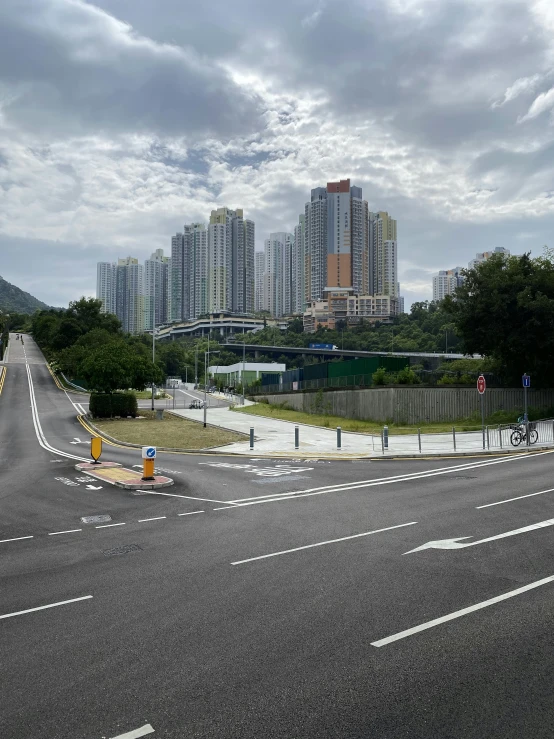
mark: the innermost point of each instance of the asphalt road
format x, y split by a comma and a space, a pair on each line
218, 617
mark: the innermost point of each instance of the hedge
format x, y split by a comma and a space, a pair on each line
106, 405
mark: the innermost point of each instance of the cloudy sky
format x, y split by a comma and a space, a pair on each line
120, 120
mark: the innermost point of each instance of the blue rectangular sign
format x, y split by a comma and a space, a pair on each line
526, 380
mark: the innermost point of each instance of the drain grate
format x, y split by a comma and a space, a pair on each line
96, 519
126, 549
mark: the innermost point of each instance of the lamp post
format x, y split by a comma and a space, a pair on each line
206, 360
153, 334
243, 367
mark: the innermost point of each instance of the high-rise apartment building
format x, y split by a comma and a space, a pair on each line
298, 267
483, 256
189, 273
259, 269
231, 245
336, 240
445, 282
157, 290
106, 283
383, 255
129, 295
278, 283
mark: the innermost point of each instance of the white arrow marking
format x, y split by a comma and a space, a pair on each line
454, 543
76, 440
92, 487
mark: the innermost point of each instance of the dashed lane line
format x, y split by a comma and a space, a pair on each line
136, 733
71, 531
43, 608
156, 518
18, 538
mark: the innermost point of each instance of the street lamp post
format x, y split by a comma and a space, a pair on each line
153, 335
206, 360
243, 367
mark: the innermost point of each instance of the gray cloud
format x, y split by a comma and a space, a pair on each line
72, 68
119, 123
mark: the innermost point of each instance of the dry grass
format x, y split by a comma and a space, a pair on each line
172, 432
352, 424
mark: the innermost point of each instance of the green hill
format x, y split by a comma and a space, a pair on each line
15, 300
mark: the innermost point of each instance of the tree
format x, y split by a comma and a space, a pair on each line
505, 311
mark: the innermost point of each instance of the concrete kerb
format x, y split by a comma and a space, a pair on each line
122, 477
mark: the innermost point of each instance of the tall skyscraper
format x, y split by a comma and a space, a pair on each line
298, 267
129, 295
336, 240
277, 285
189, 273
231, 244
259, 269
157, 290
383, 256
106, 283
484, 255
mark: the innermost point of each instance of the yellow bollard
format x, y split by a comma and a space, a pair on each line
148, 461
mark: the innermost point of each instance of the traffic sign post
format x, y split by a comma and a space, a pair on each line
148, 460
526, 382
481, 387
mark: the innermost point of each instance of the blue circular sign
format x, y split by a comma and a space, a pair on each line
151, 452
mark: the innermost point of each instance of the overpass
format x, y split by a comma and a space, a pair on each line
326, 354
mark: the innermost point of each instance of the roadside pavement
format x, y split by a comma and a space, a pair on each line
274, 437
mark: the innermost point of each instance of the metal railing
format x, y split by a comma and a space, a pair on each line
503, 437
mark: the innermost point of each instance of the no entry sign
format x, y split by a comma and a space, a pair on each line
481, 384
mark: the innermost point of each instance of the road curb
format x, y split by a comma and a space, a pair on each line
132, 481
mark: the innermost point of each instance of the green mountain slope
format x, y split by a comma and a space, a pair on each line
15, 300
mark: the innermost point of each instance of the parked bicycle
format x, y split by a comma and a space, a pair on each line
519, 434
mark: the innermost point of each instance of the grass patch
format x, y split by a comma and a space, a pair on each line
147, 395
370, 427
173, 432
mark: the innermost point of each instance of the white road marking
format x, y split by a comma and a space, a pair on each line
323, 543
136, 733
71, 531
510, 500
94, 487
226, 508
462, 612
42, 608
340, 487
157, 518
187, 497
19, 538
455, 543
193, 513
109, 525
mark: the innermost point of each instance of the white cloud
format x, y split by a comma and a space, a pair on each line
544, 102
520, 87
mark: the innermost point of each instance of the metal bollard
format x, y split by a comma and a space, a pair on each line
488, 440
500, 435
339, 437
296, 437
251, 438
382, 443
527, 441
419, 439
454, 437
386, 437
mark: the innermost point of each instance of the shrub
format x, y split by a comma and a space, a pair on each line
100, 405
380, 377
407, 377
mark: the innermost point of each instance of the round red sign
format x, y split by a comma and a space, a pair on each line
481, 384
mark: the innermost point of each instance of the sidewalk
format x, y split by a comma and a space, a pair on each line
276, 438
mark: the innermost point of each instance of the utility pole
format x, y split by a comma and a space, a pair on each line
446, 339
153, 334
206, 360
196, 366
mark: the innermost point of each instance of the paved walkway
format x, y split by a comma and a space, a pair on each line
276, 438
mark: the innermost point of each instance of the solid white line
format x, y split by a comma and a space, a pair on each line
193, 513
226, 508
71, 531
323, 543
136, 733
42, 608
510, 500
379, 481
462, 612
187, 497
19, 538
109, 525
144, 520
